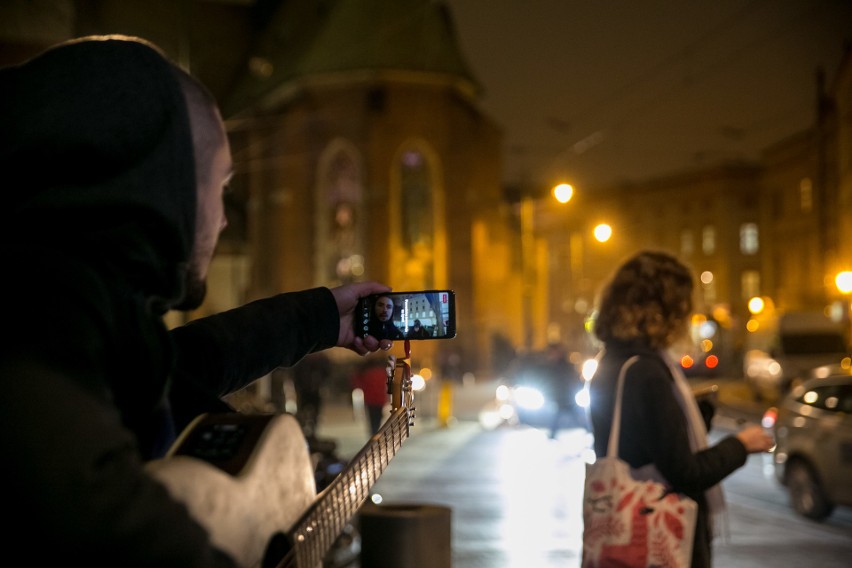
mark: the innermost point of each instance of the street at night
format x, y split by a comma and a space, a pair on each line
576, 210
515, 495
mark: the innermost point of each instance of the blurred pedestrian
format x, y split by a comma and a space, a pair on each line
372, 379
643, 310
311, 375
417, 331
563, 382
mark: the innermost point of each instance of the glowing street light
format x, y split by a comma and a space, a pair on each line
756, 305
563, 192
843, 281
602, 232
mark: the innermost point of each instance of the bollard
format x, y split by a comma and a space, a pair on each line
445, 404
405, 535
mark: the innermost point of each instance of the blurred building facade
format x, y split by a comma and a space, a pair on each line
779, 229
360, 145
360, 150
361, 153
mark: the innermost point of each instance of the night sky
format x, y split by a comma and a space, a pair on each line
597, 92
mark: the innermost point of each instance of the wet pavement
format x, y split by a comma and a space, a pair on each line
515, 494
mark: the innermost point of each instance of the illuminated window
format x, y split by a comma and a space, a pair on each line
687, 243
749, 243
806, 194
708, 239
750, 284
418, 229
339, 229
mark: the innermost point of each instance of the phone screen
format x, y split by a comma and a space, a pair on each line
422, 314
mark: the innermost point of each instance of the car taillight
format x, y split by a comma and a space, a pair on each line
769, 418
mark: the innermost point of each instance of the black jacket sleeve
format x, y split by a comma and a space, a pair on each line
655, 431
220, 354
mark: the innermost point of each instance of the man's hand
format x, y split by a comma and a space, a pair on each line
347, 297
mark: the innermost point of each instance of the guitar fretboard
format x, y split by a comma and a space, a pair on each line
313, 535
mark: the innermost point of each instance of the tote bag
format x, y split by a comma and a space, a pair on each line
631, 518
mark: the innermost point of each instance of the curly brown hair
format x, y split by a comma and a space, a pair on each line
648, 298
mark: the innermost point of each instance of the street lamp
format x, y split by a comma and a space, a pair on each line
843, 281
527, 250
563, 193
602, 232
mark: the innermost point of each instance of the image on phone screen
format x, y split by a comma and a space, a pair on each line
421, 315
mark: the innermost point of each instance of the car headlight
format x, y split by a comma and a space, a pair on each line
502, 394
582, 398
528, 398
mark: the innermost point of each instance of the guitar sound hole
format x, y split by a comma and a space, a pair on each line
219, 442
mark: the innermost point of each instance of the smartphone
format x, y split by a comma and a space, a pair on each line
422, 314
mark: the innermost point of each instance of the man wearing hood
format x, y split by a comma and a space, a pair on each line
115, 162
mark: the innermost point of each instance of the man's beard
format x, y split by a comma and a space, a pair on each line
195, 290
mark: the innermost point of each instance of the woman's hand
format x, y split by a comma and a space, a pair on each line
347, 297
755, 439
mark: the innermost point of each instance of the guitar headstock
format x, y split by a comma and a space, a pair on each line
399, 384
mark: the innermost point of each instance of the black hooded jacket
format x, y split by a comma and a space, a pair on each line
97, 226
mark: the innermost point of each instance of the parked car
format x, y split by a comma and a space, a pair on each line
813, 431
782, 351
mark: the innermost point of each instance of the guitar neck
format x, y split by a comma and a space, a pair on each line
314, 534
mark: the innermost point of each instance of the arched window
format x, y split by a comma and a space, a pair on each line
417, 218
339, 251
416, 200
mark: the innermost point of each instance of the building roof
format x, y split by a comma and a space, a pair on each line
340, 38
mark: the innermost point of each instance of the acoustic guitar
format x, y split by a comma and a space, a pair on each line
249, 480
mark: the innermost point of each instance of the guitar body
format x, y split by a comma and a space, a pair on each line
261, 481
249, 480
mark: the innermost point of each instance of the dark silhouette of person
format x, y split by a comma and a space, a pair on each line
381, 324
417, 331
563, 382
119, 160
310, 375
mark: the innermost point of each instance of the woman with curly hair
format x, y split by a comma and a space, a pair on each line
643, 311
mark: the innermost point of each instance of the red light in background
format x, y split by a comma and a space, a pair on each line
769, 417
711, 361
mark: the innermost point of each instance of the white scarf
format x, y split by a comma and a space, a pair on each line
697, 441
